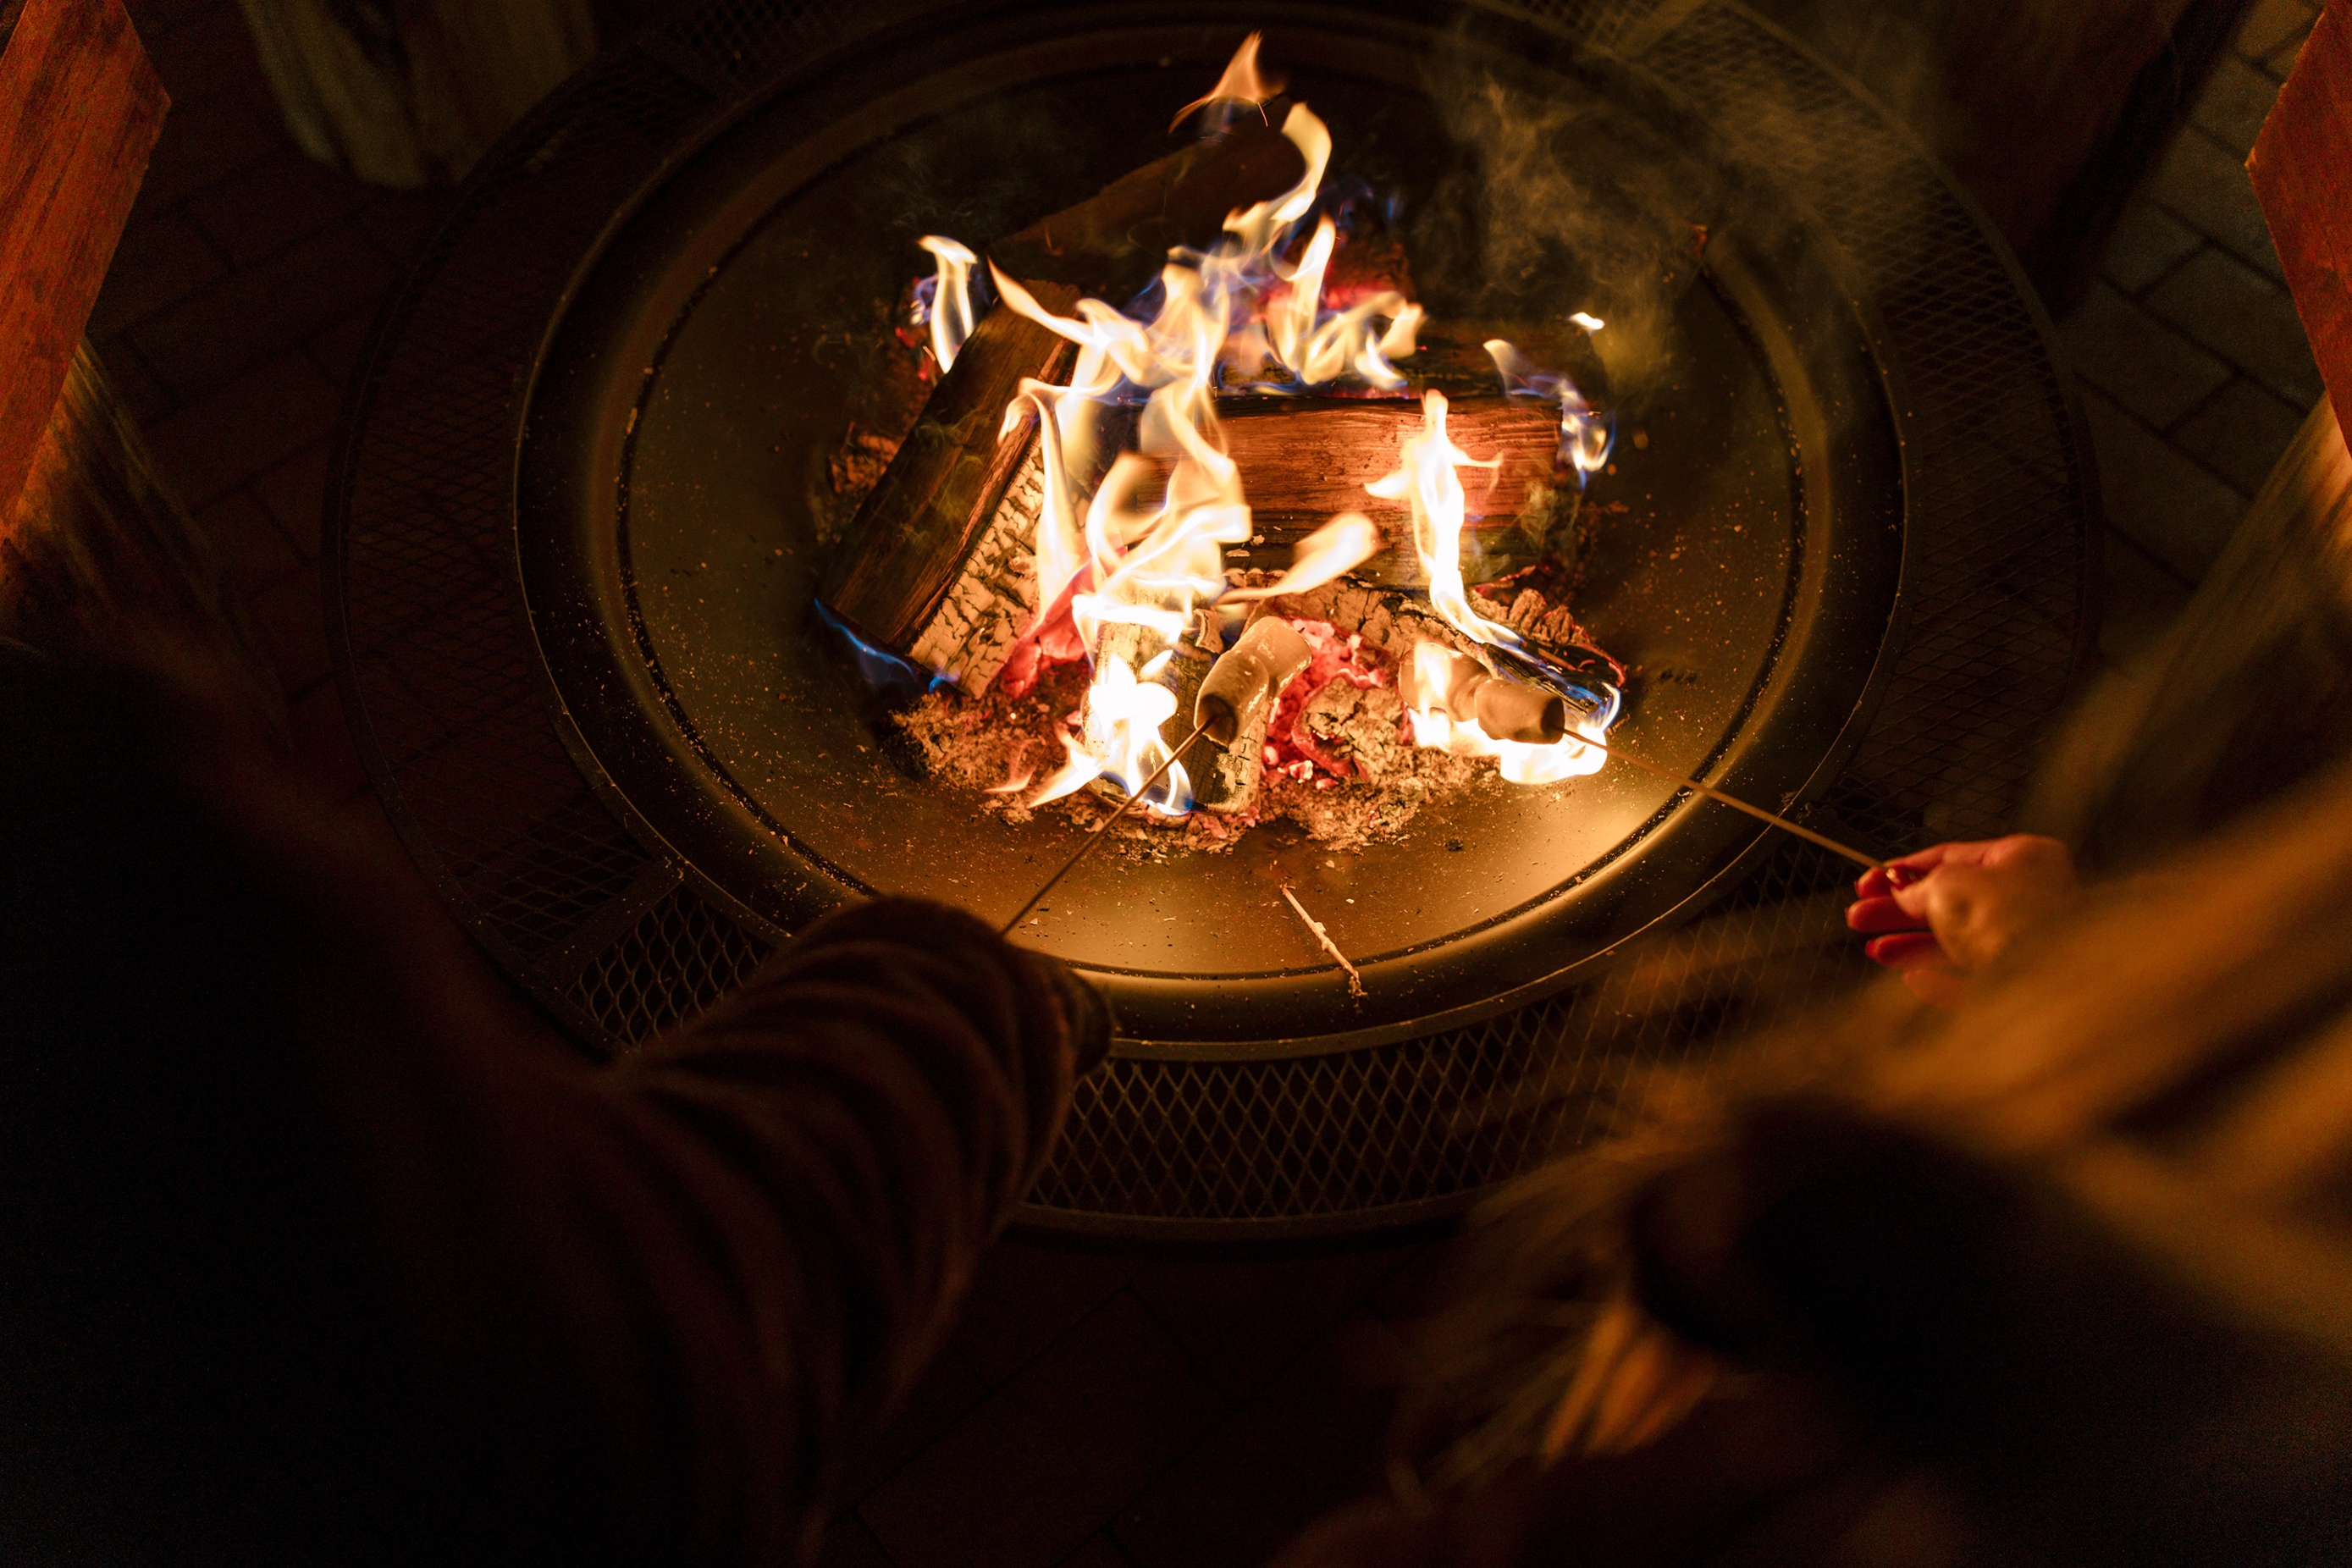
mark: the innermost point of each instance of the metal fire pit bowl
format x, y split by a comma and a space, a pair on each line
575, 563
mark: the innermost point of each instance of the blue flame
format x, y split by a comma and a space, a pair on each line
1586, 436
889, 676
926, 293
1595, 700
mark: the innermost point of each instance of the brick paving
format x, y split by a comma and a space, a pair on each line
2194, 370
1095, 1412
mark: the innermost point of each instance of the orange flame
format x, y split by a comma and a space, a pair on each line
950, 309
1124, 713
1241, 83
1585, 436
1154, 567
1427, 479
1340, 546
1079, 769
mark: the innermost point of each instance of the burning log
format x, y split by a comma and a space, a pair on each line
1304, 459
935, 564
938, 565
1116, 241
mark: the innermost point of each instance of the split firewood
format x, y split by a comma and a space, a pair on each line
1116, 241
944, 533
942, 573
937, 565
1304, 460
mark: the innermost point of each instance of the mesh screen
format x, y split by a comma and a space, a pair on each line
1315, 1143
672, 960
440, 672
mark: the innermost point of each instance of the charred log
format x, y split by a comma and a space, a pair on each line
944, 495
1116, 241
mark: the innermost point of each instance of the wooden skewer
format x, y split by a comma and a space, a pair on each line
1355, 981
1096, 836
1757, 811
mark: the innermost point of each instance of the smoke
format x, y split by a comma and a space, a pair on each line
1564, 203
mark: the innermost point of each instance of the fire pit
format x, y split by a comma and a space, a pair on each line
1838, 549
1066, 518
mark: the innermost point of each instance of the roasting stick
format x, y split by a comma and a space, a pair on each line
1757, 811
1108, 823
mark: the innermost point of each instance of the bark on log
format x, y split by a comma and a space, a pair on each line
1116, 241
81, 109
1304, 460
942, 496
938, 568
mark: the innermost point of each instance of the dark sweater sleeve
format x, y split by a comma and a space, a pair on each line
675, 1293
323, 1246
884, 1090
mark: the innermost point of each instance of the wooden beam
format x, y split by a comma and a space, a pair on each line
81, 109
2302, 170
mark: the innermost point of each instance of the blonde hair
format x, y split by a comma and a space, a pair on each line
2173, 1061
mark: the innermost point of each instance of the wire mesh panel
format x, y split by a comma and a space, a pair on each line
440, 670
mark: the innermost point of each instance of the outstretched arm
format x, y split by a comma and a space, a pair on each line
740, 1248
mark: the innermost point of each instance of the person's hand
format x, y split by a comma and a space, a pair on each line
1939, 916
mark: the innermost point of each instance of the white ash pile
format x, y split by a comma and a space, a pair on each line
1336, 754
